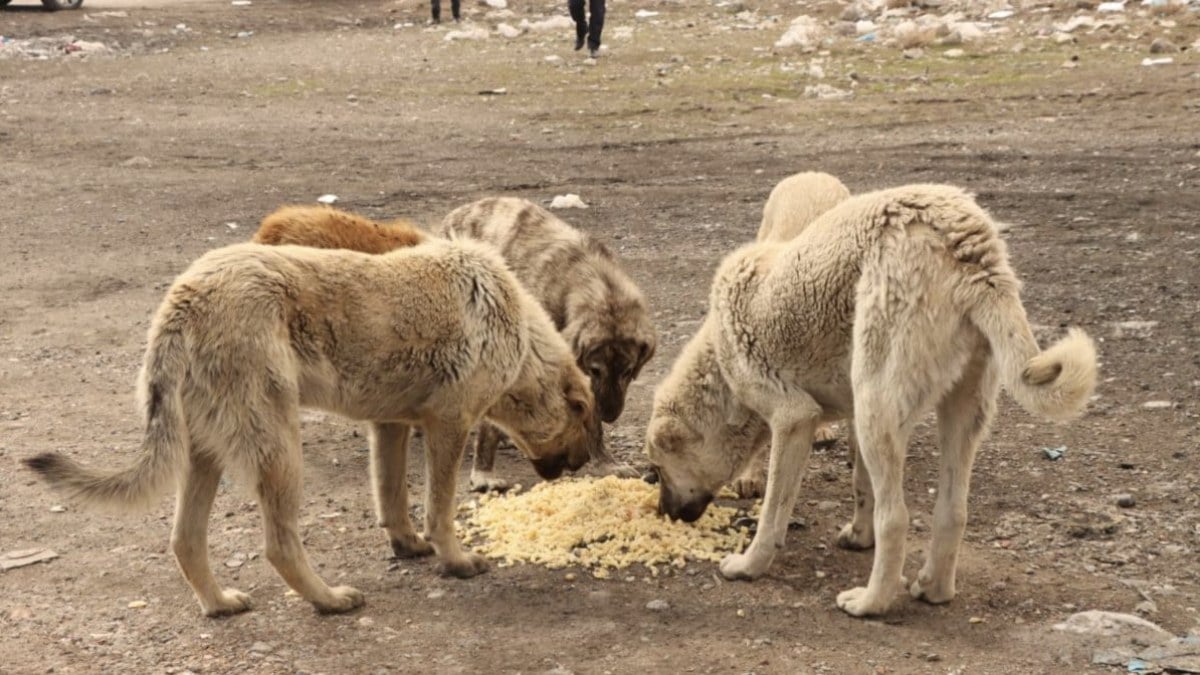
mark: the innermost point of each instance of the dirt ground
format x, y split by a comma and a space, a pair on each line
117, 170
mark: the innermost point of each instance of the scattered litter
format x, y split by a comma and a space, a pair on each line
235, 561
1110, 624
138, 162
328, 199
869, 37
496, 4
1157, 62
567, 201
1158, 405
231, 225
436, 594
658, 605
138, 604
554, 23
58, 508
553, 58
508, 31
262, 648
1133, 329
976, 619
1137, 666
644, 14
241, 3
1055, 454
826, 92
804, 33
494, 92
1001, 14
1111, 6
24, 557
466, 34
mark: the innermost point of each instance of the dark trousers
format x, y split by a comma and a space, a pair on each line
436, 6
582, 26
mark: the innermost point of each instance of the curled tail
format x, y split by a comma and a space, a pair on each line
1055, 383
164, 448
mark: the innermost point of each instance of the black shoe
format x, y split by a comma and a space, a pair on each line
579, 40
594, 52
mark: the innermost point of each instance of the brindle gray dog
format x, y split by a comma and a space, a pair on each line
601, 313
439, 336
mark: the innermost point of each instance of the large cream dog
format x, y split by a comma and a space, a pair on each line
595, 305
439, 335
888, 305
794, 202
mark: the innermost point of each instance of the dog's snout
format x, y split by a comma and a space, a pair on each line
551, 467
688, 510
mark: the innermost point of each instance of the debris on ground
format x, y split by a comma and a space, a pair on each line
567, 201
328, 199
1054, 454
52, 47
25, 557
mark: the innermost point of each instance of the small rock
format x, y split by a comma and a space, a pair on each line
1161, 61
741, 613
261, 648
954, 53
569, 576
976, 619
29, 556
138, 162
466, 34
1163, 46
804, 33
1146, 607
366, 622
826, 92
327, 199
1126, 501
138, 604
507, 31
496, 4
58, 508
1158, 405
658, 605
436, 594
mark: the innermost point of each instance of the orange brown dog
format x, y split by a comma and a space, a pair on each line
327, 227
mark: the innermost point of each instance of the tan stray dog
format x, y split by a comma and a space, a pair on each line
439, 335
597, 307
327, 227
794, 202
888, 305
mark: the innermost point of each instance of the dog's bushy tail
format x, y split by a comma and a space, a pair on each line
165, 446
1056, 383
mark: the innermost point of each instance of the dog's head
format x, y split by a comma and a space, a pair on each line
550, 412
692, 462
612, 365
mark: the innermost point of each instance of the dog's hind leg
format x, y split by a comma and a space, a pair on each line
444, 441
792, 428
483, 473
389, 480
859, 534
964, 416
189, 538
279, 484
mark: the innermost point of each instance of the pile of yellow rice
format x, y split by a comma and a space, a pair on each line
600, 524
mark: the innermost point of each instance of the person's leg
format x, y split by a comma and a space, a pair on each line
596, 7
581, 25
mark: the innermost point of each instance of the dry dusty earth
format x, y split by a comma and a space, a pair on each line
117, 169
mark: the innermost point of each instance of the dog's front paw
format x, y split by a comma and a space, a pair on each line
487, 481
342, 599
825, 435
230, 601
749, 487
410, 546
471, 564
613, 468
854, 540
741, 567
930, 590
860, 602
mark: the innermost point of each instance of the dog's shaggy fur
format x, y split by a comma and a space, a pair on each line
595, 305
439, 335
327, 227
889, 304
794, 202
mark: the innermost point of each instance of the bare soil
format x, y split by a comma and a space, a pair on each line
117, 170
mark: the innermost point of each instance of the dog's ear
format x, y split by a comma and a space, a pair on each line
645, 352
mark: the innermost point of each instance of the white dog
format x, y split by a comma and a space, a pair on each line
888, 305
